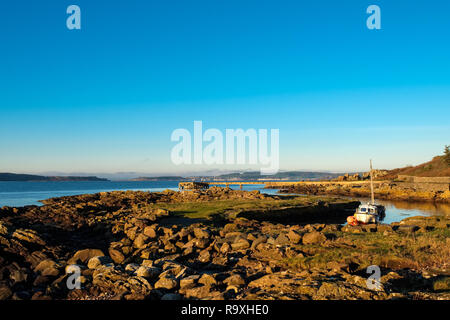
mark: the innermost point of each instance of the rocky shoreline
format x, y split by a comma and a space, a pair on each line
386, 190
127, 247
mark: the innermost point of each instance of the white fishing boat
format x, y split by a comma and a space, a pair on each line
369, 212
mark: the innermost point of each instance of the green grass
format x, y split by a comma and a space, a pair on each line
395, 251
209, 209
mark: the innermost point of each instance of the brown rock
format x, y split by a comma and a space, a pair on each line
140, 241
5, 293
201, 292
132, 267
225, 248
241, 244
201, 233
204, 256
28, 235
3, 229
147, 272
98, 261
35, 258
352, 229
189, 281
259, 240
131, 232
294, 236
116, 255
201, 243
229, 227
234, 280
282, 240
83, 256
207, 279
314, 238
167, 283
48, 268
150, 232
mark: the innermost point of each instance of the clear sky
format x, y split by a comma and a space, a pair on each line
106, 98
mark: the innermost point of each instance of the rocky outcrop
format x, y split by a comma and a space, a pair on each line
376, 174
383, 190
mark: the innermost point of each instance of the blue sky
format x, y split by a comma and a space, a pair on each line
106, 98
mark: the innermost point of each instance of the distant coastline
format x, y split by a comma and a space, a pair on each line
166, 178
248, 176
30, 177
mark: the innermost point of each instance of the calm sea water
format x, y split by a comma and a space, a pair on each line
17, 194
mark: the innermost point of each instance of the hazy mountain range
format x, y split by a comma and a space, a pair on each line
233, 176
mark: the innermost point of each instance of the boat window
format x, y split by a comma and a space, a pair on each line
362, 209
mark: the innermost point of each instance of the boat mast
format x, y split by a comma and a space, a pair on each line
371, 183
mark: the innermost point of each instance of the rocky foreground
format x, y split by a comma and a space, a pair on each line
127, 246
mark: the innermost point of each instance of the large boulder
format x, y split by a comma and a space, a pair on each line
314, 238
95, 262
207, 279
282, 240
150, 232
140, 241
202, 233
167, 283
83, 256
294, 236
116, 255
48, 268
148, 272
240, 244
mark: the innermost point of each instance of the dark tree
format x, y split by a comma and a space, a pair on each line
447, 154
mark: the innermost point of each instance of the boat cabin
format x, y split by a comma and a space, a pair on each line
370, 213
368, 209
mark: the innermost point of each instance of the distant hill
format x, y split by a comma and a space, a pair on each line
31, 177
247, 176
288, 175
162, 178
438, 167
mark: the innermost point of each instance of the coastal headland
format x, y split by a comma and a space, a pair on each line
215, 244
429, 181
31, 177
410, 189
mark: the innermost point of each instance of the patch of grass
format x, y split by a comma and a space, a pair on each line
320, 259
441, 284
396, 251
208, 209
